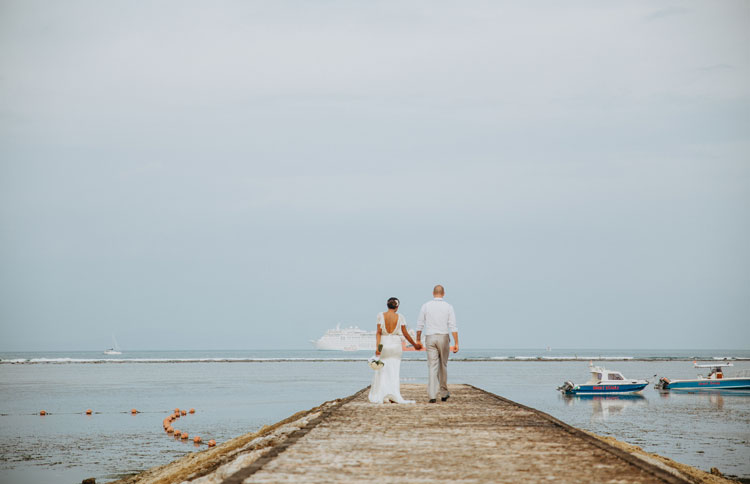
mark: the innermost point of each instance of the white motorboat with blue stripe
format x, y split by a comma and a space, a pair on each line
714, 381
604, 382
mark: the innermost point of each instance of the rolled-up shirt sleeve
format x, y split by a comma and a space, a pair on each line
452, 320
420, 320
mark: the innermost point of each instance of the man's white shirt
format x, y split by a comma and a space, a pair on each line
436, 317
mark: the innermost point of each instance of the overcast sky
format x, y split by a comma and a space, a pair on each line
221, 175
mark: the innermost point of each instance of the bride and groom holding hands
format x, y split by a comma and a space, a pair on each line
437, 320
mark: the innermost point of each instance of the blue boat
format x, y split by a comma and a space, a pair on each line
714, 381
603, 382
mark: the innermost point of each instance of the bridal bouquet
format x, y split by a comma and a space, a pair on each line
375, 363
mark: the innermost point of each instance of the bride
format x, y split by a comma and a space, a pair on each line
385, 383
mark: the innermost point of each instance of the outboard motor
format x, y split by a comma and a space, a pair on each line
663, 384
566, 387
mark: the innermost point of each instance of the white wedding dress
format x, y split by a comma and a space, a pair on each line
386, 385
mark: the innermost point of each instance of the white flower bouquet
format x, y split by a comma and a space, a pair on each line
375, 363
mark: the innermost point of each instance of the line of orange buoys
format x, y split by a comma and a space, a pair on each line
178, 434
167, 422
88, 411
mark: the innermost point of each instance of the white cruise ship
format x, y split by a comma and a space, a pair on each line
353, 339
346, 339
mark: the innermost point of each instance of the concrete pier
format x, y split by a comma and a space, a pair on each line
474, 437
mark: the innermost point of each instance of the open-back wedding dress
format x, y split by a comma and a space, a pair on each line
386, 385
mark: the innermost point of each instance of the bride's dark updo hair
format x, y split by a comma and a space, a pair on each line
392, 303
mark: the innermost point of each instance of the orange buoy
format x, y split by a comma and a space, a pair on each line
176, 415
176, 410
192, 410
183, 412
133, 411
211, 443
185, 436
177, 433
197, 440
42, 412
170, 430
89, 412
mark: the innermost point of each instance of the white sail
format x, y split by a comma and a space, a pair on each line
115, 349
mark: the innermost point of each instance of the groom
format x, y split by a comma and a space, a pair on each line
437, 319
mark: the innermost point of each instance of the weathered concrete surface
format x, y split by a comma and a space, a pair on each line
473, 437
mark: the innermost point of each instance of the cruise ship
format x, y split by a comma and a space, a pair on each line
346, 339
352, 339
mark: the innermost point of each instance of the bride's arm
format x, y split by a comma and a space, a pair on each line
377, 340
408, 337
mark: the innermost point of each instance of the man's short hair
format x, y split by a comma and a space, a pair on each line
439, 290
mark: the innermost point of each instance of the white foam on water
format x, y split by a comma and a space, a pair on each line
166, 360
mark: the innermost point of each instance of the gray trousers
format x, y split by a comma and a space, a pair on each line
438, 348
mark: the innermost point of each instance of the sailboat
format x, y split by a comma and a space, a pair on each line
115, 349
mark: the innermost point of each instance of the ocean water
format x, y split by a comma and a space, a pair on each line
235, 392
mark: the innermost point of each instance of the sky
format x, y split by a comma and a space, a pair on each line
247, 174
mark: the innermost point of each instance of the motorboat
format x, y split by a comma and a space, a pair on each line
603, 382
714, 381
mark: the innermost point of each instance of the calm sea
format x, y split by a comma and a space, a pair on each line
235, 392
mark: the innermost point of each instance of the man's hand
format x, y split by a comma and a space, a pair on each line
454, 349
418, 346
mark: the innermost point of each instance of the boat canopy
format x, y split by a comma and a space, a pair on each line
599, 373
711, 365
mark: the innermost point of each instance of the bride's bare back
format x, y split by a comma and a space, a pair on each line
391, 321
